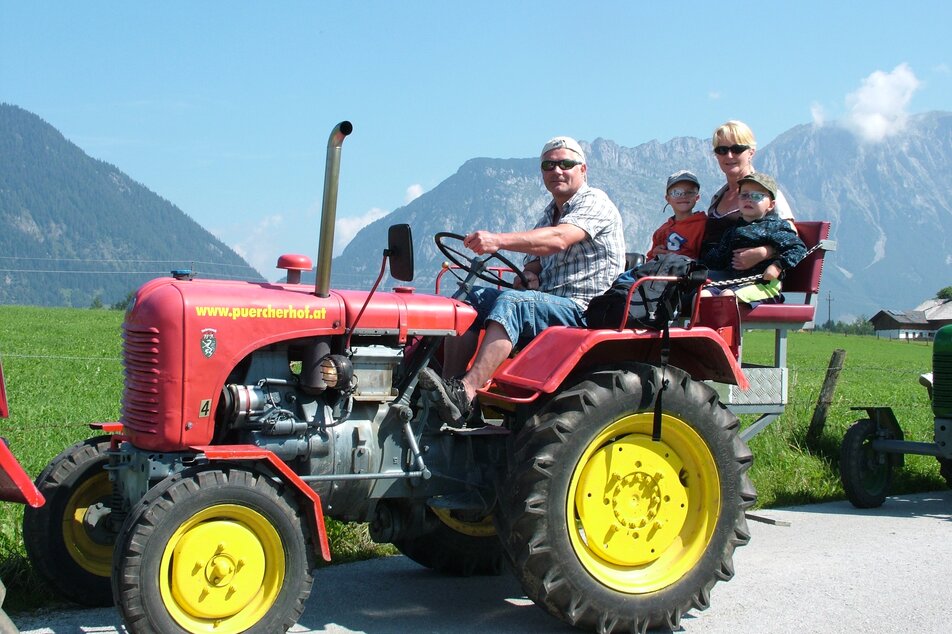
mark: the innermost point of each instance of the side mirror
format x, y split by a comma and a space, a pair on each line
400, 252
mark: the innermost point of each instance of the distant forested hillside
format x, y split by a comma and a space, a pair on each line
75, 230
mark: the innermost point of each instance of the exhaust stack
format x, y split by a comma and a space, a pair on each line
325, 249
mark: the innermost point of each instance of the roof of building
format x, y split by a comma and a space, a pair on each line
930, 314
936, 309
916, 318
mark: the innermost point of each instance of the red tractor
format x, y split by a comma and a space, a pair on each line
613, 482
15, 486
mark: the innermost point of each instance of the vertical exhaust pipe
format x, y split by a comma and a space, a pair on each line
325, 249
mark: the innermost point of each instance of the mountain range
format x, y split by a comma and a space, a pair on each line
75, 231
889, 204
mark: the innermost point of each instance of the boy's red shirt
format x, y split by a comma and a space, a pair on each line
680, 236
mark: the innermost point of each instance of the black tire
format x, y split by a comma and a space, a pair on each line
457, 545
866, 474
70, 539
945, 468
677, 506
247, 532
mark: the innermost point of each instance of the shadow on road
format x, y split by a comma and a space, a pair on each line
821, 568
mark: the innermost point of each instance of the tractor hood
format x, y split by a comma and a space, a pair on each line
182, 338
260, 313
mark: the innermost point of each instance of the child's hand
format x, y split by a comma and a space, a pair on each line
772, 272
743, 259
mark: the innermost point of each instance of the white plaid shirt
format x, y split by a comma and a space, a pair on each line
588, 267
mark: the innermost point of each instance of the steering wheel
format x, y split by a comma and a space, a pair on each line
477, 265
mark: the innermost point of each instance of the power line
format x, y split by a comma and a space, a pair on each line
49, 259
60, 357
68, 272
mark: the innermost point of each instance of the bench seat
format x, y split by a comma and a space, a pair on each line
774, 314
802, 280
801, 287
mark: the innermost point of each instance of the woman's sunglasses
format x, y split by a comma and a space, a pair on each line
733, 149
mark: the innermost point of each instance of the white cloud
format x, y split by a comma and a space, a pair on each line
943, 69
713, 95
846, 272
260, 246
413, 192
878, 108
816, 112
347, 228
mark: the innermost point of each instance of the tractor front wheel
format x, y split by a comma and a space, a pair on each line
610, 530
70, 539
221, 550
865, 473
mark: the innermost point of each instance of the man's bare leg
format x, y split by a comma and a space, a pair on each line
457, 351
493, 351
454, 397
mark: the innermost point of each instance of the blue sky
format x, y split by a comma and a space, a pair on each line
224, 108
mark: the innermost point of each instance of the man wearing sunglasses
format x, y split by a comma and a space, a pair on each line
573, 253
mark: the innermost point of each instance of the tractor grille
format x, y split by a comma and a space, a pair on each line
140, 397
942, 372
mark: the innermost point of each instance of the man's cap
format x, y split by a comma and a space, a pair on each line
763, 180
559, 142
683, 176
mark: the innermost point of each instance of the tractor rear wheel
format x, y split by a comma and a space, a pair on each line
866, 474
609, 530
457, 545
70, 539
221, 550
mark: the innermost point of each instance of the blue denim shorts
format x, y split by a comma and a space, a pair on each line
523, 314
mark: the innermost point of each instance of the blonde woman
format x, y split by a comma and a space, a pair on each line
734, 148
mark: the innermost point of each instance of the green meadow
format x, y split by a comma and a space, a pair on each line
63, 371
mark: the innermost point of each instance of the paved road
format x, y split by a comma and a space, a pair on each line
833, 569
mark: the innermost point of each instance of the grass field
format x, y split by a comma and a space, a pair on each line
63, 371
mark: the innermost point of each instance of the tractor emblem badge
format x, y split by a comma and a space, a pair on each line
209, 343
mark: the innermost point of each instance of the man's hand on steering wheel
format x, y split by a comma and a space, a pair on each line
477, 265
482, 242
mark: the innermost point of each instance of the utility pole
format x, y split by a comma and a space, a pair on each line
829, 309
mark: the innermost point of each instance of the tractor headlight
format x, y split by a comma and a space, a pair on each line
336, 371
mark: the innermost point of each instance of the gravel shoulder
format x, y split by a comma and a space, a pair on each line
818, 568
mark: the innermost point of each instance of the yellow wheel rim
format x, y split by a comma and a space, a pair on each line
91, 554
222, 570
483, 528
641, 513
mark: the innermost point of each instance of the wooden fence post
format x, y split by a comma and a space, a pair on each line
826, 397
